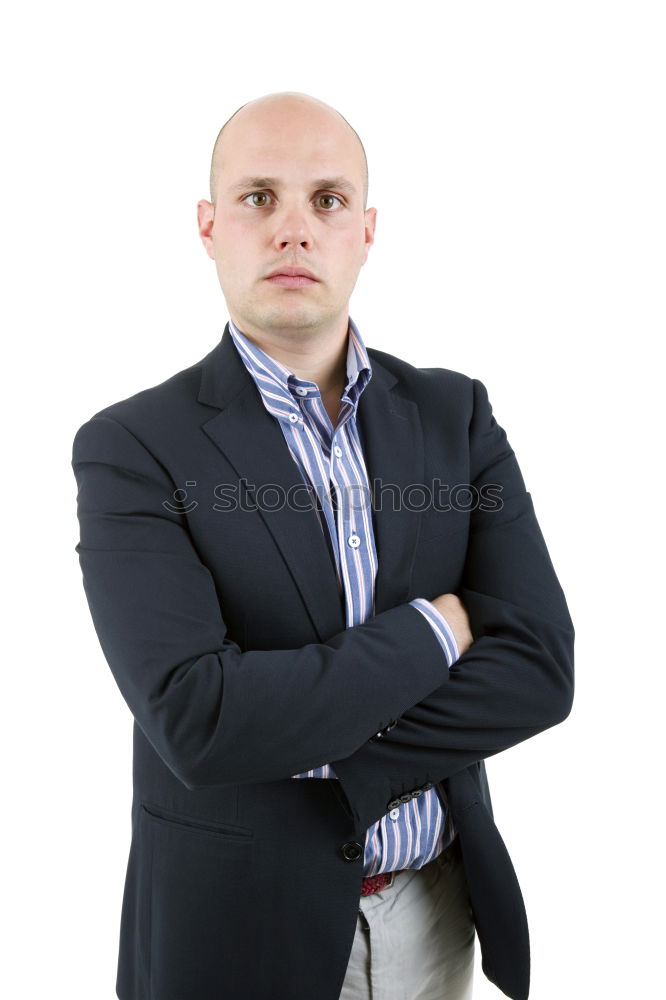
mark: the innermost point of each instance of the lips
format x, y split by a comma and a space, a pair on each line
291, 280
292, 272
292, 277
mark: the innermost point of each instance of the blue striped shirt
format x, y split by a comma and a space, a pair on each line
332, 466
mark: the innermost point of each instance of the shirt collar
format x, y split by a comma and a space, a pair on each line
277, 383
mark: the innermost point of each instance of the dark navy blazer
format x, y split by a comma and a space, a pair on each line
225, 632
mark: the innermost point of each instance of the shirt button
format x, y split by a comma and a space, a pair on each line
337, 451
293, 417
354, 541
301, 390
394, 813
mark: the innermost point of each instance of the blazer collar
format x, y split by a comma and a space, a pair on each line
253, 443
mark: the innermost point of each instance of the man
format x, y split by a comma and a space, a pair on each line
320, 632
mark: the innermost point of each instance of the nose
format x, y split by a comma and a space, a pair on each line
292, 227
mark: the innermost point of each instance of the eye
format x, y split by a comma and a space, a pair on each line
254, 194
325, 195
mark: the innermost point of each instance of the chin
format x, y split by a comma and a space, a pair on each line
295, 316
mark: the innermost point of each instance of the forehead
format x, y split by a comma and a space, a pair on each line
268, 144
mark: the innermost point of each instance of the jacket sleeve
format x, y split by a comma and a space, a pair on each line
215, 714
517, 677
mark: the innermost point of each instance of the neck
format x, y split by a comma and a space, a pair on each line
323, 361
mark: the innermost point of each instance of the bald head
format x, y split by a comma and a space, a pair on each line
311, 110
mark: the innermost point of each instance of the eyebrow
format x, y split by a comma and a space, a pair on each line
340, 183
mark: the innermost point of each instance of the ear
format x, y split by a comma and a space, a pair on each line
370, 223
205, 220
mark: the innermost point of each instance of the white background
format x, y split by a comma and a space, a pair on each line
516, 155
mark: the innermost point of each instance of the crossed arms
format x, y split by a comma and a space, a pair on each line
217, 715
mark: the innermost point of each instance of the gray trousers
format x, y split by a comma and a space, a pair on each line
414, 940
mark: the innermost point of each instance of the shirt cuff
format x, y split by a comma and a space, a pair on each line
440, 627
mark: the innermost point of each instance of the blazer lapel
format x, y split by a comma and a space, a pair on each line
390, 427
252, 442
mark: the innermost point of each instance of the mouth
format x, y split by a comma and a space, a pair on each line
291, 280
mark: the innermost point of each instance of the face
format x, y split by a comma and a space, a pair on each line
254, 229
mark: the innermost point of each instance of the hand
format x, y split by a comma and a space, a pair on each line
454, 611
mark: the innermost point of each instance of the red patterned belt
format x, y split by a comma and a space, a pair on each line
375, 883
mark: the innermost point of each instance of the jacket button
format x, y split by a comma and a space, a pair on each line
417, 792
352, 851
406, 797
426, 788
394, 803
